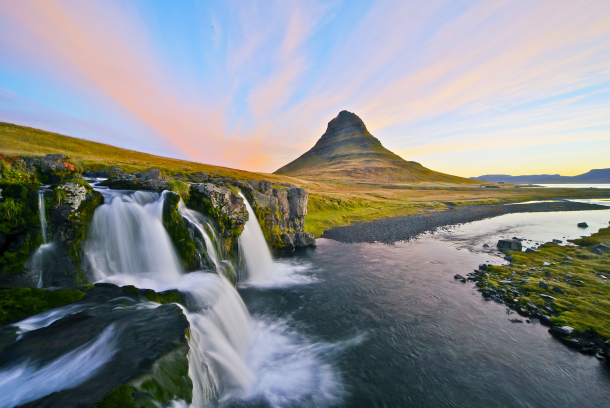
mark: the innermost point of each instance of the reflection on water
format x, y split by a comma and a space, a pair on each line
427, 340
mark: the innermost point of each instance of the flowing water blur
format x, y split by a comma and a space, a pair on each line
426, 339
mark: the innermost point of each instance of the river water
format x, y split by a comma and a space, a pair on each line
407, 334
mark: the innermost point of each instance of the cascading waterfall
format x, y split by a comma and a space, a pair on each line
262, 270
196, 219
231, 354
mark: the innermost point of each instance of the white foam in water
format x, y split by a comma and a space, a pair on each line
232, 356
27, 381
44, 319
262, 270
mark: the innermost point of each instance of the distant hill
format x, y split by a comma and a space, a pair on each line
597, 176
348, 152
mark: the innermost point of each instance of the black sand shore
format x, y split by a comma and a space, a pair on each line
408, 227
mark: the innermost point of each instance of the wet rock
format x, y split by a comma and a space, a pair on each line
510, 245
485, 246
557, 241
582, 225
458, 276
515, 320
483, 267
562, 331
150, 348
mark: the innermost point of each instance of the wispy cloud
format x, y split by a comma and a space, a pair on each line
428, 78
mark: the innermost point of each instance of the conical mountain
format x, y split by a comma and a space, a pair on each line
348, 151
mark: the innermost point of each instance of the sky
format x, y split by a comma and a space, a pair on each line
463, 87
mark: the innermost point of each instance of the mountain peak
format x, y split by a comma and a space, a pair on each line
345, 122
347, 151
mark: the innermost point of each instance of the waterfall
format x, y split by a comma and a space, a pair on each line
259, 263
128, 245
231, 355
38, 259
43, 216
262, 270
197, 220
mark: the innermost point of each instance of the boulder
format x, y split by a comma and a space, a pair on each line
458, 276
582, 225
510, 245
543, 285
562, 331
600, 247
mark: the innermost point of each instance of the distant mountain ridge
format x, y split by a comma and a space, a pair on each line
596, 176
347, 151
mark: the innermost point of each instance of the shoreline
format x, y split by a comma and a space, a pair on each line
405, 228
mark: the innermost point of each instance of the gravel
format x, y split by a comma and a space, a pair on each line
408, 227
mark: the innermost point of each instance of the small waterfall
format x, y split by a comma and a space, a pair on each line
43, 215
262, 270
206, 231
259, 263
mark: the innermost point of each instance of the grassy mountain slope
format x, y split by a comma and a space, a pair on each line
24, 141
347, 151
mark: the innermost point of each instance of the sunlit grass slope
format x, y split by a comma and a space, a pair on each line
24, 141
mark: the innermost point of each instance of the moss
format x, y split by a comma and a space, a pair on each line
120, 397
19, 225
168, 296
585, 301
179, 233
180, 187
169, 378
19, 303
80, 223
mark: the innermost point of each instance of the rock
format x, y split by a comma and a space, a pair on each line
510, 245
485, 246
506, 282
562, 331
544, 320
225, 201
458, 276
515, 320
75, 194
262, 186
483, 267
154, 174
566, 263
546, 264
600, 247
199, 177
557, 241
297, 199
543, 285
530, 250
547, 297
558, 290
114, 171
150, 348
582, 225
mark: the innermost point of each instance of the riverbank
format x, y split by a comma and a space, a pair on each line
409, 227
564, 287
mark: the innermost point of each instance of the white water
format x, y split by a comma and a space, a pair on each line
232, 356
43, 216
44, 319
28, 381
222, 266
262, 270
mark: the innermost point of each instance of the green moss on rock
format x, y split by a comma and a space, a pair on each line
19, 303
179, 233
120, 397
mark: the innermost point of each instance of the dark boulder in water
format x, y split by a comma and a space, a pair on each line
114, 337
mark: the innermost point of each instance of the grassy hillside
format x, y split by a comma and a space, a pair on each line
24, 141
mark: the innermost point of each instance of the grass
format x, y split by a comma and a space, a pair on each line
19, 303
585, 301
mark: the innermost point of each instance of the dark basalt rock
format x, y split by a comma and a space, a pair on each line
150, 347
510, 245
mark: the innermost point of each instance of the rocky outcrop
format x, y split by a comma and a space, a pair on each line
151, 180
52, 168
143, 350
20, 234
70, 206
281, 213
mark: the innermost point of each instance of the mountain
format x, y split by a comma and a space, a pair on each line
347, 151
596, 176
